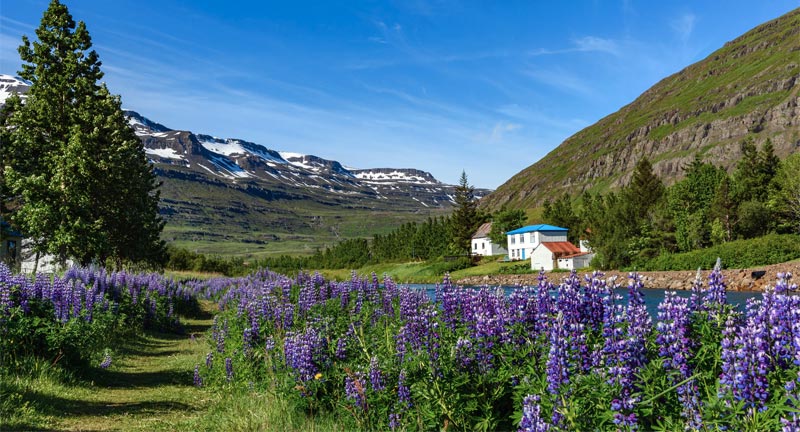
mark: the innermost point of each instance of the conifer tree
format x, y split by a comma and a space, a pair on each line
82, 186
465, 219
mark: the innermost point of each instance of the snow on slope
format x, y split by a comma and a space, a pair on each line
396, 176
10, 85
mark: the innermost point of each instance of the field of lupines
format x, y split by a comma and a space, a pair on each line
77, 319
571, 356
377, 356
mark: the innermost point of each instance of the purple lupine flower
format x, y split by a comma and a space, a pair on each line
304, 352
464, 354
531, 416
354, 389
745, 363
635, 285
675, 346
198, 380
792, 422
558, 365
375, 376
209, 360
394, 421
403, 392
106, 362
716, 295
247, 341
228, 369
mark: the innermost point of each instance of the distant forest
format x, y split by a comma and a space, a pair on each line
629, 228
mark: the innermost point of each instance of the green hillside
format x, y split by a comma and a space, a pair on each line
749, 87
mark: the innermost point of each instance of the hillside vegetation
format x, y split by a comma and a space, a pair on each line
747, 88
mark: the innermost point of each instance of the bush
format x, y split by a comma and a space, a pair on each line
770, 249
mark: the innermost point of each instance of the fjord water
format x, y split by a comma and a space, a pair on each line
652, 296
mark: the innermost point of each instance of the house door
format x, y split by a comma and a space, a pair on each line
523, 253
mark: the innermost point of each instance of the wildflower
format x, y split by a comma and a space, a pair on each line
531, 417
106, 362
198, 381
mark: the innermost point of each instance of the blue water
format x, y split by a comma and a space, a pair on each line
652, 296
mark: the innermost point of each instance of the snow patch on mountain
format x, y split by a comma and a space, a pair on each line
384, 176
166, 153
11, 85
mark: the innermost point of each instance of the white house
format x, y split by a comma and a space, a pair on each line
45, 263
522, 241
560, 255
482, 244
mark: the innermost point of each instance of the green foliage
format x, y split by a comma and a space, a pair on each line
81, 182
770, 249
732, 86
466, 218
561, 213
506, 220
690, 202
785, 197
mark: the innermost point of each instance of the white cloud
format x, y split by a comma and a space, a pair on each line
500, 129
561, 79
683, 26
596, 44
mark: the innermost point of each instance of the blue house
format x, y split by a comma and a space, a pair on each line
522, 241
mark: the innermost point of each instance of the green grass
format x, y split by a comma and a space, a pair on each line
425, 272
149, 387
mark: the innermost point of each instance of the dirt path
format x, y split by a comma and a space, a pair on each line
149, 388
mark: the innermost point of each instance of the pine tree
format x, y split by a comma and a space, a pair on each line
81, 181
465, 219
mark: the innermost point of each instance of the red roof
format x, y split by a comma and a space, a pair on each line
576, 255
562, 249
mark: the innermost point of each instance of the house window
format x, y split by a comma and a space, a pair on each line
483, 245
513, 240
475, 246
521, 237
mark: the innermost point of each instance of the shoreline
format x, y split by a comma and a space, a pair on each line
735, 279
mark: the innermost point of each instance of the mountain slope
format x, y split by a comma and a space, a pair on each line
750, 86
231, 196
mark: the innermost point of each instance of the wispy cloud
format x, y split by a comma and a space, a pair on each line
582, 44
596, 44
561, 79
500, 129
683, 26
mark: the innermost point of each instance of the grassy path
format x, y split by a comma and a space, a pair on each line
149, 387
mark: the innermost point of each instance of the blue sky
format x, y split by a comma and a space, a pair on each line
487, 87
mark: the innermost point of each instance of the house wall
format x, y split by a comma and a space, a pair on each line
527, 242
46, 264
578, 262
541, 258
483, 246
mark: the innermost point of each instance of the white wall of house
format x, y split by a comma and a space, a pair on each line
541, 258
521, 246
483, 246
576, 262
46, 264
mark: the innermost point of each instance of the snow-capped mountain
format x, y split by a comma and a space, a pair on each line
233, 190
234, 160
